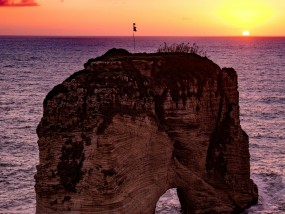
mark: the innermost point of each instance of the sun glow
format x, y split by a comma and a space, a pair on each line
245, 33
163, 18
245, 14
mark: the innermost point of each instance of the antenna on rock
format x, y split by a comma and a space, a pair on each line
134, 30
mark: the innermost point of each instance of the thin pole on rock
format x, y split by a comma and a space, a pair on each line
134, 30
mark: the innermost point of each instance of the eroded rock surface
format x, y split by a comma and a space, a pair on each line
118, 134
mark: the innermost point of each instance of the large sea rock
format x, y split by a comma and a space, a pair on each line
118, 134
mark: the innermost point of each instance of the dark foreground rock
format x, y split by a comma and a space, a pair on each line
118, 134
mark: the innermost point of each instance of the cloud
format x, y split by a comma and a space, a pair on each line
17, 3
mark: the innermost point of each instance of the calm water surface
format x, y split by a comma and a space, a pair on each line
31, 66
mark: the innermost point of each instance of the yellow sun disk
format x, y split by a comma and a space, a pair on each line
245, 33
245, 13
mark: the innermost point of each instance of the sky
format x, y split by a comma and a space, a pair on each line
152, 17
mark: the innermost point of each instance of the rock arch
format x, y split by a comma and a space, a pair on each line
168, 203
118, 134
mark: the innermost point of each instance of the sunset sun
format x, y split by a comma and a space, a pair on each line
245, 14
245, 33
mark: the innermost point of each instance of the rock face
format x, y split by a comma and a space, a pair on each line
118, 134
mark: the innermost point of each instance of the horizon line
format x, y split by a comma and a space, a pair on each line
221, 36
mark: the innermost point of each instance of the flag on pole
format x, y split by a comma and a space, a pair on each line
134, 30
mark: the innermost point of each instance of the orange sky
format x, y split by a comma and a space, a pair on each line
152, 17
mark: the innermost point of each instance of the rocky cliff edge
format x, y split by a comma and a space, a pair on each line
118, 134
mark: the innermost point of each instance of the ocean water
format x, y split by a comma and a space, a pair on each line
31, 66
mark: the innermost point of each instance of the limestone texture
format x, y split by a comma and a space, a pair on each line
117, 135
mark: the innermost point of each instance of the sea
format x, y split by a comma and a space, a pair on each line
31, 66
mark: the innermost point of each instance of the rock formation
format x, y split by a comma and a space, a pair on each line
118, 134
